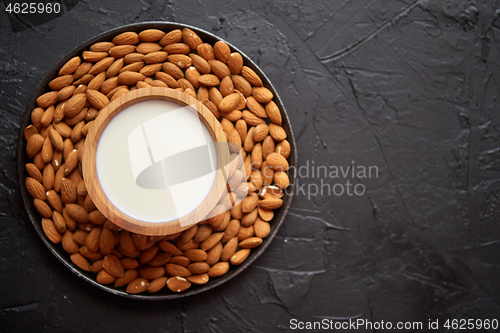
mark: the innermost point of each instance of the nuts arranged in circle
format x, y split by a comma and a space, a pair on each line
177, 59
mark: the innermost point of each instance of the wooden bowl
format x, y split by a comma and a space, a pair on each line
64, 257
94, 188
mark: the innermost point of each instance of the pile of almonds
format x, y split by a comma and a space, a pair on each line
180, 60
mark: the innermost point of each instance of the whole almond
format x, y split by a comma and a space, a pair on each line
146, 47
218, 269
96, 266
235, 63
97, 99
93, 56
248, 143
251, 119
219, 68
63, 129
50, 231
129, 263
265, 214
177, 48
196, 255
157, 284
137, 286
169, 80
35, 189
192, 75
178, 284
206, 51
34, 145
222, 51
126, 38
66, 93
273, 112
240, 256
250, 75
104, 277
77, 212
198, 279
213, 256
121, 50
179, 260
92, 241
112, 265
209, 80
197, 268
229, 103
80, 261
148, 254
229, 249
277, 162
56, 138
262, 94
68, 191
170, 248
171, 37
130, 78
68, 243
261, 228
260, 132
128, 276
191, 38
150, 70
47, 150
133, 67
151, 35
173, 70
256, 107
80, 237
102, 65
82, 70
71, 162
200, 63
160, 259
283, 148
267, 146
155, 57
211, 241
250, 242
60, 82
70, 66
47, 99
43, 208
181, 60
74, 105
101, 46
34, 172
281, 179
271, 203
226, 86
177, 270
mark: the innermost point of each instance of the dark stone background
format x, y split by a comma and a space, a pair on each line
408, 86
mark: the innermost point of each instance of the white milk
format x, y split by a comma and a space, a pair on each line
146, 163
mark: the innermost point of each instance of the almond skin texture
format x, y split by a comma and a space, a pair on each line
97, 99
70, 66
191, 38
178, 284
251, 76
229, 103
222, 51
74, 105
151, 35
277, 162
80, 261
50, 231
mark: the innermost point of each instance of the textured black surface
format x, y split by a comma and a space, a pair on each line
408, 86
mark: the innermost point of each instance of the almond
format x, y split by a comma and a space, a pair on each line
151, 35
209, 80
240, 256
60, 82
137, 286
104, 277
80, 261
260, 132
71, 162
229, 103
92, 56
169, 80
63, 129
176, 270
74, 105
177, 48
148, 254
96, 266
34, 172
211, 241
251, 119
170, 248
127, 277
256, 107
261, 228
173, 70
80, 237
160, 259
273, 112
200, 63
68, 243
191, 38
102, 65
68, 191
267, 146
65, 93
198, 268
115, 68
179, 260
250, 75
283, 148
171, 37
47, 99
82, 70
70, 66
262, 94
35, 189
126, 38
271, 203
235, 63
50, 231
229, 249
155, 57
226, 86
218, 269
77, 213
101, 46
47, 150
133, 67
149, 70
97, 99
133, 58
29, 131
121, 50
129, 263
106, 241
43, 208
157, 284
56, 139
222, 51
112, 265
196, 255
198, 279
92, 241
265, 214
281, 179
35, 143
277, 162
206, 51
250, 242
145, 48
130, 78
219, 68
181, 60
178, 284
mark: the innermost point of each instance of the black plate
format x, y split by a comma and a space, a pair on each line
57, 249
